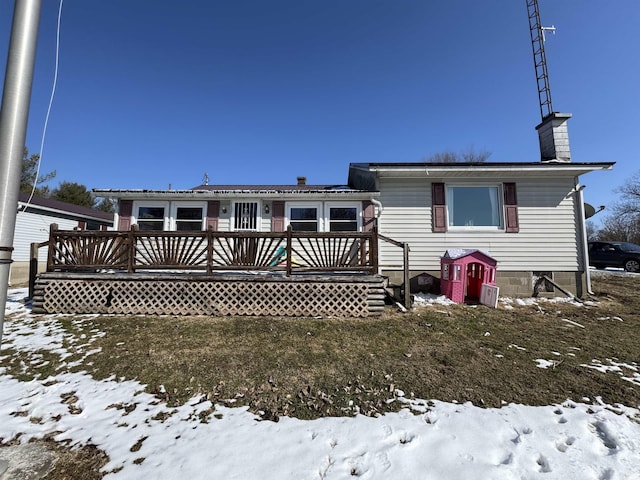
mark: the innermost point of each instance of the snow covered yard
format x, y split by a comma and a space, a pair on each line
144, 436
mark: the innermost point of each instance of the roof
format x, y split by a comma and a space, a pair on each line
270, 188
454, 253
66, 208
205, 192
548, 168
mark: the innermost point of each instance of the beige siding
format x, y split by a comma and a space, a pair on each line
546, 241
32, 228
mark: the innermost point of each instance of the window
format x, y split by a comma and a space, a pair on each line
445, 271
92, 225
324, 217
151, 218
245, 216
474, 206
343, 219
304, 219
188, 218
457, 273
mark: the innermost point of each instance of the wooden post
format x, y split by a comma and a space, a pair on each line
373, 250
132, 248
289, 247
33, 267
52, 244
210, 250
407, 282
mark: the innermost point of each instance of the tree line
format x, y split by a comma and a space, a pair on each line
69, 192
622, 223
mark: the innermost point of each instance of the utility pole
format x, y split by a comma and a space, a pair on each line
16, 97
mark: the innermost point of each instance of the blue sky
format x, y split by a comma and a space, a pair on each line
157, 93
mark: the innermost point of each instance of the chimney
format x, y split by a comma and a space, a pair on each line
302, 181
554, 138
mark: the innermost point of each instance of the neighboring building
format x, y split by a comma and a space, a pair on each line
32, 226
257, 208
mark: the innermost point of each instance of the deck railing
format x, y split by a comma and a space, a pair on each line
211, 251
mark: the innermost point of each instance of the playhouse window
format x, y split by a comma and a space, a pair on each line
445, 271
457, 272
474, 206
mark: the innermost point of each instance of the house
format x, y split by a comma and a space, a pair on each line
294, 250
33, 221
528, 216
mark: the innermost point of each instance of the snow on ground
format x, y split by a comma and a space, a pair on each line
426, 440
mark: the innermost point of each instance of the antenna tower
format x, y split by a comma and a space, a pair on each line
539, 58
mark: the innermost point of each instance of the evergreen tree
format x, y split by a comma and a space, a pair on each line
72, 192
28, 175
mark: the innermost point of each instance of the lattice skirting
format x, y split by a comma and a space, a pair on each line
343, 296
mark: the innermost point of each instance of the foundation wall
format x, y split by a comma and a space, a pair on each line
511, 284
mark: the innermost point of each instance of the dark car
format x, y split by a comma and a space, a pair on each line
615, 254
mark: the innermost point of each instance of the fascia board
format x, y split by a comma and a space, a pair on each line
226, 194
507, 170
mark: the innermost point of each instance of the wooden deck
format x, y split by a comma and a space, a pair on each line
211, 273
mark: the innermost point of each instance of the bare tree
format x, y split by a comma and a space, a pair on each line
619, 229
592, 231
465, 156
623, 223
629, 206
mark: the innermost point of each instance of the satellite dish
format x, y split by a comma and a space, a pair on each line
589, 211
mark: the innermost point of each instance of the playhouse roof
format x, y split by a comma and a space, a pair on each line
454, 253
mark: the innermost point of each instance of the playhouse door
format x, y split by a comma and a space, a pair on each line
475, 275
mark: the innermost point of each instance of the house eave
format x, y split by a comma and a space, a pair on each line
485, 169
55, 211
229, 194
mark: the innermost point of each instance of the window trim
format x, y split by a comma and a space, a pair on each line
151, 204
232, 214
317, 205
475, 228
327, 213
173, 218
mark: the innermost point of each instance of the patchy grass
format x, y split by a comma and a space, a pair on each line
308, 368
313, 367
77, 464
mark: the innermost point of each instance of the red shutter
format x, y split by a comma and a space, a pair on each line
368, 215
82, 225
125, 210
277, 218
438, 208
213, 214
511, 208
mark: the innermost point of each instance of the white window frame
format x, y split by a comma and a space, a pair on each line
151, 204
232, 214
317, 205
327, 213
449, 202
173, 220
